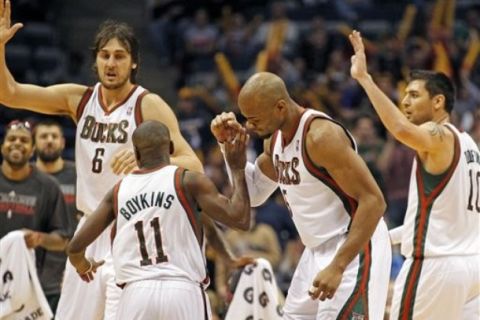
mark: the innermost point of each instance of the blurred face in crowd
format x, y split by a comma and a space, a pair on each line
49, 142
17, 147
417, 103
114, 64
365, 130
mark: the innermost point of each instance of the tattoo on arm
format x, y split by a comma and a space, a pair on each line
437, 130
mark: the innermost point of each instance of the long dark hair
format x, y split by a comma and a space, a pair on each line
111, 29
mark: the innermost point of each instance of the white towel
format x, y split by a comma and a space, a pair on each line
256, 296
21, 296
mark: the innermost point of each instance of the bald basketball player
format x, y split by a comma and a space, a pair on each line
158, 248
335, 203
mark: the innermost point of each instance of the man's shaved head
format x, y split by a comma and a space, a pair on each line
151, 140
265, 103
262, 89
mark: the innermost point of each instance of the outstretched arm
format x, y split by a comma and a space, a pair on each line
352, 176
428, 137
60, 99
233, 211
93, 227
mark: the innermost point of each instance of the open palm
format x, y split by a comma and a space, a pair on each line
7, 31
358, 69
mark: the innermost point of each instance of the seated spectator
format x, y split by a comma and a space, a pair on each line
31, 200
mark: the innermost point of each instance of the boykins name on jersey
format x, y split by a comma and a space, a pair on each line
144, 201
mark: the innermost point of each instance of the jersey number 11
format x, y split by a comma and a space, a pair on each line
161, 257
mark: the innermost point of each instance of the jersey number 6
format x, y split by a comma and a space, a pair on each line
97, 160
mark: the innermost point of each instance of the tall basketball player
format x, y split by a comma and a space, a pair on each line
335, 203
106, 115
441, 234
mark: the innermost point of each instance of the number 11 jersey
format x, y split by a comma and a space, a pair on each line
157, 233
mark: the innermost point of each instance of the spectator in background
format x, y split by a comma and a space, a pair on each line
369, 144
275, 214
394, 160
49, 145
32, 201
258, 242
200, 41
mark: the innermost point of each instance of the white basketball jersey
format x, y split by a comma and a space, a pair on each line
157, 235
100, 135
443, 214
319, 207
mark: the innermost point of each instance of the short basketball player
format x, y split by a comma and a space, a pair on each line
158, 248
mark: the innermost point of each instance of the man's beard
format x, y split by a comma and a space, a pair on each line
49, 157
16, 164
113, 86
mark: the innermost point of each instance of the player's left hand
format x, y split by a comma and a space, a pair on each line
87, 268
326, 283
123, 162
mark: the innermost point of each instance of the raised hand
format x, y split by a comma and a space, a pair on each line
235, 151
225, 126
6, 30
358, 69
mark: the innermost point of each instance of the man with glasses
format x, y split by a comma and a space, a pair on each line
29, 199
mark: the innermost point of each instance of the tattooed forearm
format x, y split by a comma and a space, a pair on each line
437, 130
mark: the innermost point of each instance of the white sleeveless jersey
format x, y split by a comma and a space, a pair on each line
157, 233
319, 207
100, 135
443, 214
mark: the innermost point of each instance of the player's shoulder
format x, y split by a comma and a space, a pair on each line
435, 128
325, 131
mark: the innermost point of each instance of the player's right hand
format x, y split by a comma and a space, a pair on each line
7, 31
236, 150
225, 127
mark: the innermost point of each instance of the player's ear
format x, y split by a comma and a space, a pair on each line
172, 148
137, 154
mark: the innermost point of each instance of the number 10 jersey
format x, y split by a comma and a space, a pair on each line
157, 233
443, 214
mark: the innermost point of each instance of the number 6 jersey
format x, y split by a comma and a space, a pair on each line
443, 214
157, 233
100, 135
